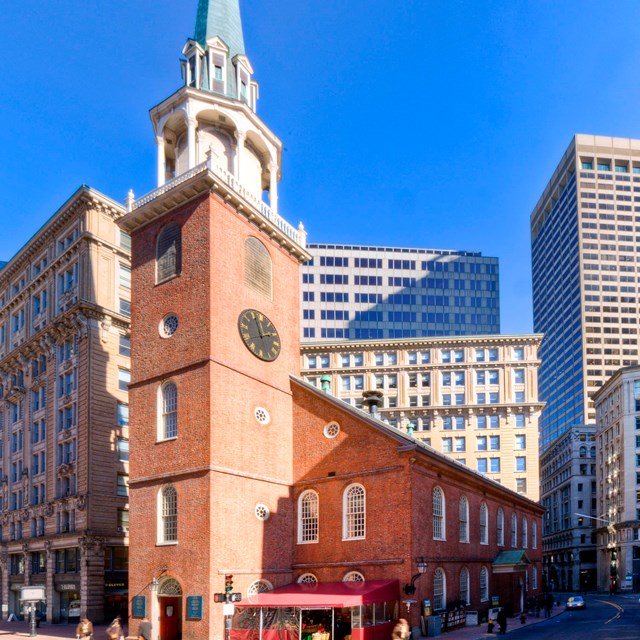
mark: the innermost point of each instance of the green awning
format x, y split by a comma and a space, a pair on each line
511, 561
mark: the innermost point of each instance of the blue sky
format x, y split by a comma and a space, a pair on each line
404, 122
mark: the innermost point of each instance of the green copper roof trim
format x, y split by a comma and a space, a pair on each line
220, 18
509, 558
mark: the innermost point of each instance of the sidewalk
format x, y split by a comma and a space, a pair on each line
15, 630
480, 632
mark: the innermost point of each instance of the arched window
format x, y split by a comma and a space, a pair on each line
500, 527
439, 525
484, 524
307, 578
353, 576
464, 585
259, 586
484, 584
514, 530
308, 517
169, 408
592, 452
169, 253
583, 452
525, 533
439, 589
258, 267
464, 519
534, 578
534, 535
354, 511
168, 521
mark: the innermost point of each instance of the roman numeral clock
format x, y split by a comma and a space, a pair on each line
259, 335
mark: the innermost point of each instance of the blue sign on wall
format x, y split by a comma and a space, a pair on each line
194, 607
139, 606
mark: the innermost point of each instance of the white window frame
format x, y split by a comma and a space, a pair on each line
534, 535
439, 589
438, 508
308, 518
484, 523
500, 527
525, 533
464, 585
164, 521
354, 506
163, 414
464, 520
514, 531
484, 584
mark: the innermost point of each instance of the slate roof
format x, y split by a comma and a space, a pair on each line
220, 18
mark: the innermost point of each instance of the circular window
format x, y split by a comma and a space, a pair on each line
353, 576
169, 325
262, 415
262, 511
331, 430
259, 586
307, 578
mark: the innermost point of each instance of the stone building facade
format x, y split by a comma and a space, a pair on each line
64, 370
568, 494
472, 397
618, 480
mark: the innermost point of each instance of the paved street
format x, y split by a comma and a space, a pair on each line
605, 618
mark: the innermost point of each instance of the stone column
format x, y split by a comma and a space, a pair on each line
92, 577
191, 142
4, 567
240, 138
273, 187
49, 580
154, 615
161, 166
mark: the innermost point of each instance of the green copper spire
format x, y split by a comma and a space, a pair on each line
220, 18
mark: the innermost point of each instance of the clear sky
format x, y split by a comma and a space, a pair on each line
404, 122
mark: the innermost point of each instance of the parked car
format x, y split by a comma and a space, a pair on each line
576, 602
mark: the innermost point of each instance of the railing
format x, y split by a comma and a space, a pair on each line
297, 235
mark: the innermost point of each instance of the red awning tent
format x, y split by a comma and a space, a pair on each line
326, 594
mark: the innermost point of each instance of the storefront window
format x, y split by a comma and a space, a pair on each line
67, 561
116, 559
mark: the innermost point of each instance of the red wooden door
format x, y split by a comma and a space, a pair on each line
170, 618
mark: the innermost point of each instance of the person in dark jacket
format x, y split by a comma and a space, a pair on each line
501, 619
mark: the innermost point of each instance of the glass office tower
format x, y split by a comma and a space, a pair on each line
585, 235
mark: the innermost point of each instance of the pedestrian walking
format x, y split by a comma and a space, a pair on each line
114, 630
144, 630
401, 631
84, 630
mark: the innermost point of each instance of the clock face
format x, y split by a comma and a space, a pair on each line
259, 335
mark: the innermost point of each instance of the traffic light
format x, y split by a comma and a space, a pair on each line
228, 584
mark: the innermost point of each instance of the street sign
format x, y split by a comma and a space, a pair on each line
32, 594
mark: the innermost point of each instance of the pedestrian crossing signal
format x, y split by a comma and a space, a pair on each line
219, 597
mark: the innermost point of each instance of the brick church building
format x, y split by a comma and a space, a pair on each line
330, 521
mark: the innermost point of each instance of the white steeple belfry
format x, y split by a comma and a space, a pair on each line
214, 113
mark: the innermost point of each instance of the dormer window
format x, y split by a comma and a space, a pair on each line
191, 81
218, 64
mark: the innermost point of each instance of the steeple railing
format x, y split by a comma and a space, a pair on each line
299, 236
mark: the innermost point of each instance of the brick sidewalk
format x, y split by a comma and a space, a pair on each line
15, 630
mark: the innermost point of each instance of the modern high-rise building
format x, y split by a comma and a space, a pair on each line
64, 413
585, 238
353, 292
473, 397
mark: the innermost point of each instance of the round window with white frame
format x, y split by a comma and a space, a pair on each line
262, 511
262, 416
331, 430
259, 586
307, 578
168, 325
353, 576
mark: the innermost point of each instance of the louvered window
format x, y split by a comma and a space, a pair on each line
257, 267
169, 253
